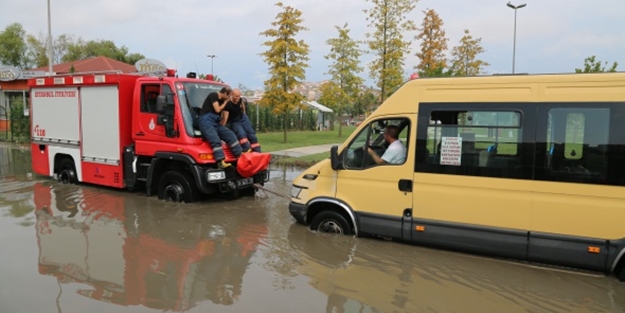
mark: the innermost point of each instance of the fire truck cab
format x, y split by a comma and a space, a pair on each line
130, 131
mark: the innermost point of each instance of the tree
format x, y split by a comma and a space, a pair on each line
345, 55
246, 91
386, 42
592, 65
286, 58
20, 123
81, 49
367, 101
60, 47
36, 51
13, 46
464, 57
332, 96
433, 45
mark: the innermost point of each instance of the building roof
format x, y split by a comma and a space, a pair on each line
318, 106
91, 65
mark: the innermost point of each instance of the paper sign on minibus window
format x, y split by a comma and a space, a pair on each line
451, 151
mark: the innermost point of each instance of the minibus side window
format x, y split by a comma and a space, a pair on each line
476, 141
577, 144
356, 156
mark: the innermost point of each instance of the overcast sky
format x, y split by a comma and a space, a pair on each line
553, 36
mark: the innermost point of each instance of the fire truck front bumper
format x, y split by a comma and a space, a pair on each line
229, 180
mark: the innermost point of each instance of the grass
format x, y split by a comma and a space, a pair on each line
303, 161
274, 141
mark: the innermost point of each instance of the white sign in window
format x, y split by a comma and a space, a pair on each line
451, 151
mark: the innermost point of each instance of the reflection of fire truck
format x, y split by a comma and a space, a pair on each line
132, 254
129, 131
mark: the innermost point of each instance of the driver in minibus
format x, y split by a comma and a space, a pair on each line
395, 153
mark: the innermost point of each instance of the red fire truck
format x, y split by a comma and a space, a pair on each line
131, 131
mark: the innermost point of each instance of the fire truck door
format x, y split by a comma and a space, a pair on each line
148, 116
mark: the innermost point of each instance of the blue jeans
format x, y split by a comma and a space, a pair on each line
214, 133
244, 130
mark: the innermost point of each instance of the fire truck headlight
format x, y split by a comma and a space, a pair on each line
217, 175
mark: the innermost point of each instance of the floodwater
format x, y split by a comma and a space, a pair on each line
78, 248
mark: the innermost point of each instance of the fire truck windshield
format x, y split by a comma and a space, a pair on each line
191, 97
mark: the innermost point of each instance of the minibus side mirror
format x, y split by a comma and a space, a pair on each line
334, 158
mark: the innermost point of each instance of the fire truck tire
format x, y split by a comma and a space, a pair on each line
175, 186
67, 172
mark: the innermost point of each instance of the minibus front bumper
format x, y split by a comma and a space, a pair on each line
298, 211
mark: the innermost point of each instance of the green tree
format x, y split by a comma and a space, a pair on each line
82, 49
433, 46
592, 65
13, 46
286, 58
36, 51
60, 47
246, 92
20, 123
331, 95
345, 55
368, 99
388, 20
464, 57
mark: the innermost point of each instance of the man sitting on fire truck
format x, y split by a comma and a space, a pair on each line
213, 131
235, 114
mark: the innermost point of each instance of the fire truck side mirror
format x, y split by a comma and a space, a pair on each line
162, 102
165, 109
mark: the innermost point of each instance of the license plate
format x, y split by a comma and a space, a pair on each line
245, 181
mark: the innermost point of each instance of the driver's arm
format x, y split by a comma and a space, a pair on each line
376, 158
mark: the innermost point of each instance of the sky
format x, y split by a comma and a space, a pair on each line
552, 36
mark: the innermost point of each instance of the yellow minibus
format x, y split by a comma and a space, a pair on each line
526, 167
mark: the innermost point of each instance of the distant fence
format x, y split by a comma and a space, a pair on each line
5, 120
264, 120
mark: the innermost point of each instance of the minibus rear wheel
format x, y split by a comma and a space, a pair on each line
331, 222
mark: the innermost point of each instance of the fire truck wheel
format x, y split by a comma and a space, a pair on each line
177, 187
67, 172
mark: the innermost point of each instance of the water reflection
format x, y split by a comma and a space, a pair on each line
134, 250
363, 275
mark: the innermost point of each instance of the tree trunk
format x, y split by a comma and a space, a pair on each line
340, 113
284, 126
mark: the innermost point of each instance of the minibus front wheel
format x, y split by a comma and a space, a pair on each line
331, 222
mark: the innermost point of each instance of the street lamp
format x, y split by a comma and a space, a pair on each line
510, 5
212, 56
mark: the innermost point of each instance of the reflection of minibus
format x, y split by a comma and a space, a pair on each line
529, 167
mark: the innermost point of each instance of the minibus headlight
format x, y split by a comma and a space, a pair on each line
218, 175
295, 191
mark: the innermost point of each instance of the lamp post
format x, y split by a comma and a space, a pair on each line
512, 6
212, 56
49, 41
